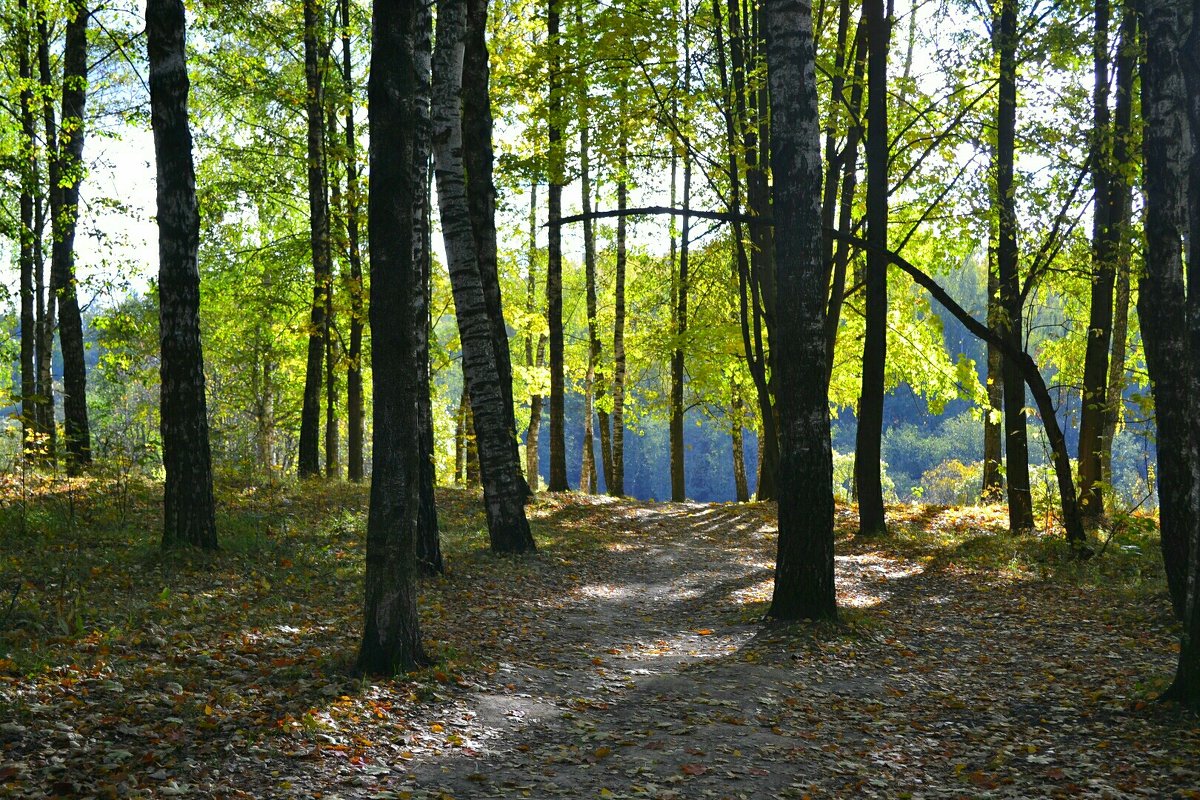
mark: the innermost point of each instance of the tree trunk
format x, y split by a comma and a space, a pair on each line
558, 447
1020, 502
678, 482
1127, 54
869, 438
504, 488
742, 61
63, 221
188, 512
804, 578
532, 476
1169, 310
849, 185
992, 490
460, 439
587, 471
48, 310
1106, 239
355, 419
429, 545
470, 446
481, 199
740, 486
318, 211
332, 445
30, 427
617, 487
391, 640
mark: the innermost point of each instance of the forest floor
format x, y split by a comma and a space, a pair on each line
628, 658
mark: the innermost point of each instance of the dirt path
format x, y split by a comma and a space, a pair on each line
652, 682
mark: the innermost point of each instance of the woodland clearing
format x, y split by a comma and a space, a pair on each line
627, 658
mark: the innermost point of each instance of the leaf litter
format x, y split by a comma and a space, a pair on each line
627, 659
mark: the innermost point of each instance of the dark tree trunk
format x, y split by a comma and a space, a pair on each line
1020, 502
1106, 240
429, 544
309, 464
1127, 54
992, 490
30, 427
188, 513
332, 445
1170, 312
804, 578
587, 472
481, 198
849, 184
869, 437
47, 311
460, 440
678, 476
63, 222
504, 488
558, 447
470, 446
1163, 299
391, 640
757, 202
355, 418
617, 487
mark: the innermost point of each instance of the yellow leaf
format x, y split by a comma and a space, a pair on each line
436, 728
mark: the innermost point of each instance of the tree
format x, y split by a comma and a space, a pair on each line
504, 490
318, 210
188, 513
391, 639
558, 446
64, 208
870, 411
1020, 501
804, 580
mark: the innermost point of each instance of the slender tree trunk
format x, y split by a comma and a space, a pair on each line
1106, 240
188, 512
617, 487
869, 441
740, 486
1020, 502
587, 472
391, 640
532, 476
993, 434
742, 61
678, 482
354, 383
481, 199
62, 265
460, 439
332, 445
471, 448
804, 578
849, 184
429, 545
47, 311
30, 427
318, 210
558, 447
504, 488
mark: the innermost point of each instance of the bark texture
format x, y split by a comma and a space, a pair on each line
188, 512
391, 639
804, 578
309, 463
504, 488
63, 222
355, 427
869, 437
554, 289
1020, 501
